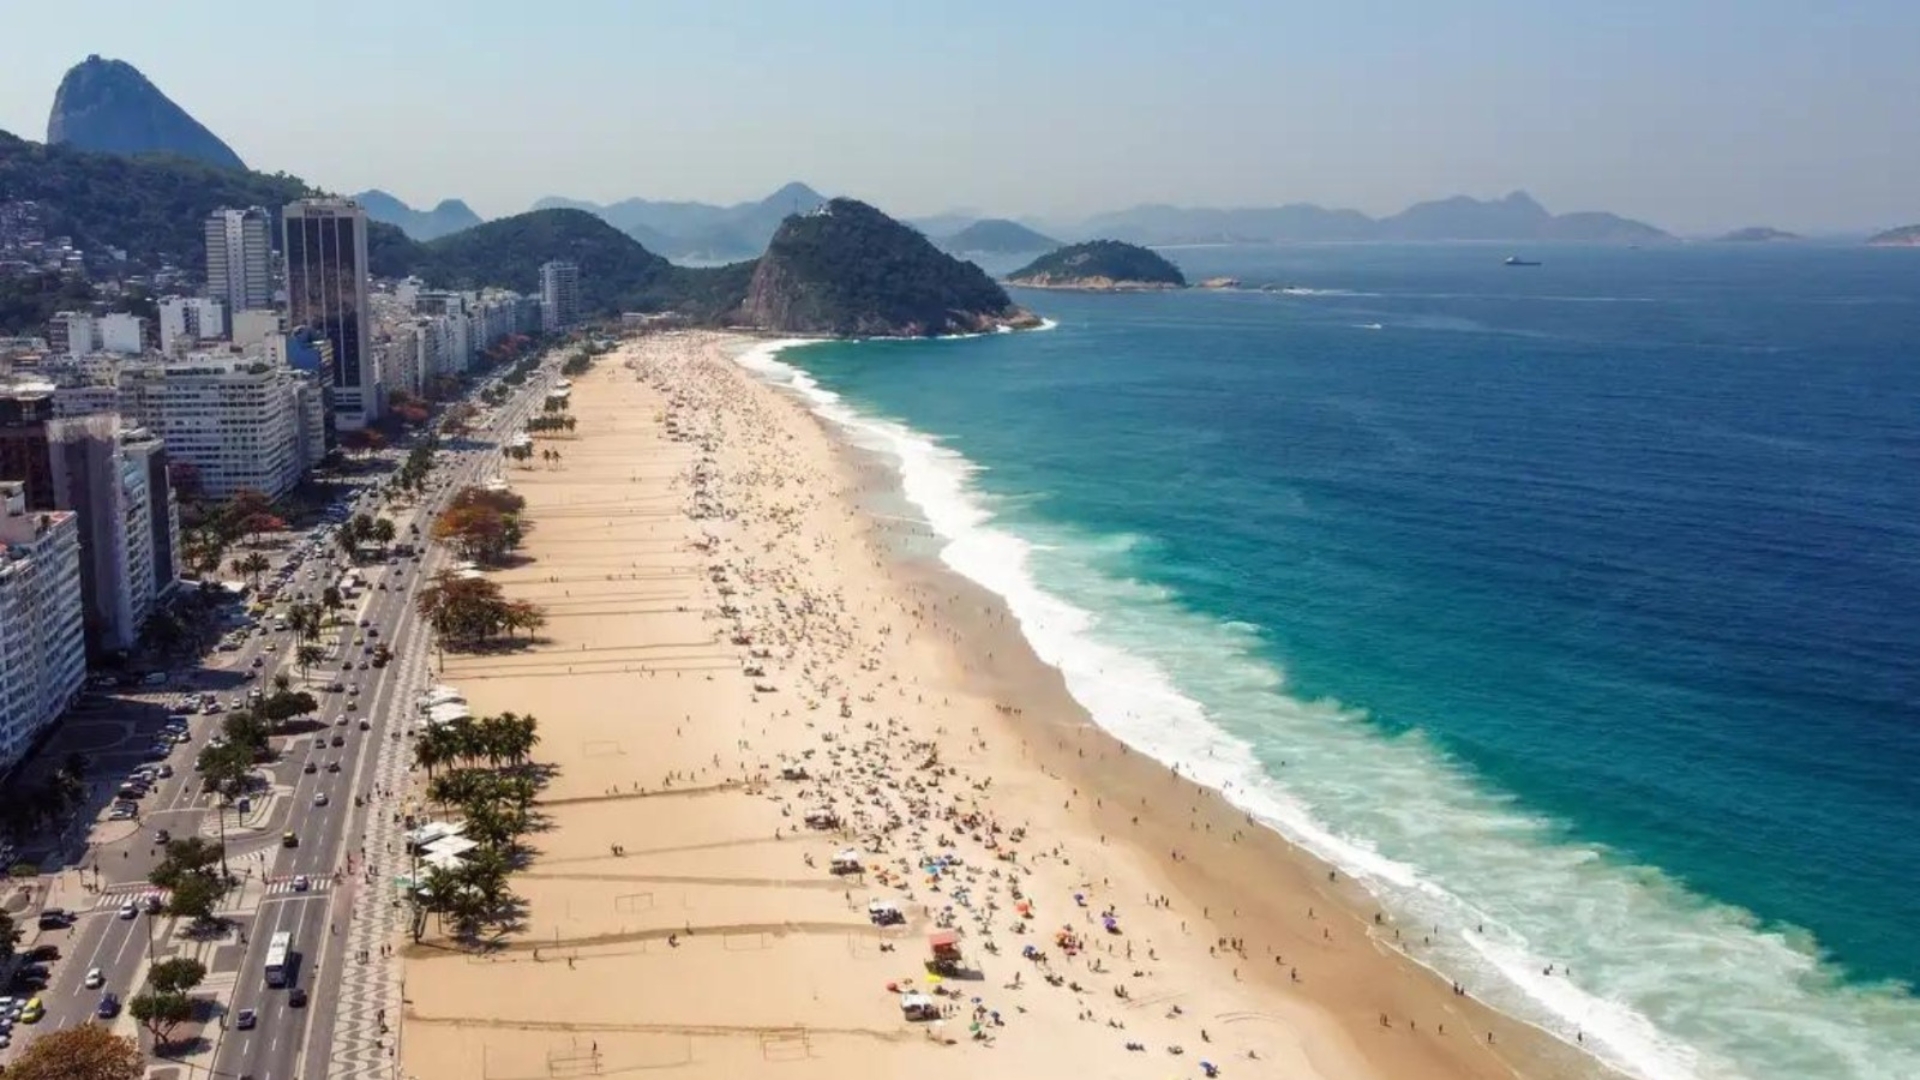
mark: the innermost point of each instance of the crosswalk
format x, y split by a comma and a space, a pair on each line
133, 893
285, 887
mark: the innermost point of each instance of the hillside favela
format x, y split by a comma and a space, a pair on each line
1243, 541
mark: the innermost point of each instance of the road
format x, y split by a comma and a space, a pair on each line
290, 1044
286, 1043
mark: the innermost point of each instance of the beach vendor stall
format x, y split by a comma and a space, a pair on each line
847, 862
917, 1006
945, 949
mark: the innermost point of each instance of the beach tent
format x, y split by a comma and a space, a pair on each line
434, 830
441, 860
447, 714
451, 845
918, 1006
847, 862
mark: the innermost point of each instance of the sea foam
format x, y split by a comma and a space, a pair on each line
1662, 985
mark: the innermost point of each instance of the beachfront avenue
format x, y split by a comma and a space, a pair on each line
296, 849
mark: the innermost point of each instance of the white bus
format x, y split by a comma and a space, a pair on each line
278, 949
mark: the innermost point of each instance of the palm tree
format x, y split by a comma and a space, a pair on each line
435, 747
252, 566
307, 656
383, 532
332, 600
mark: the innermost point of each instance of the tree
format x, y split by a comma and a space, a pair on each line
186, 857
383, 532
160, 1012
176, 976
81, 1052
308, 655
194, 896
252, 566
332, 600
9, 937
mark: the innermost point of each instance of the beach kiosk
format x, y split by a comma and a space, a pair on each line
847, 862
944, 945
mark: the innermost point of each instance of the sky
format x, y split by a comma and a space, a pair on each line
1695, 115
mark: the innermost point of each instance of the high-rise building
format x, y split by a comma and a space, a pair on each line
559, 294
186, 321
123, 333
237, 421
326, 252
240, 258
114, 480
43, 655
73, 334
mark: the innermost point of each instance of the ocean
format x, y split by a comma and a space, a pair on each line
1574, 608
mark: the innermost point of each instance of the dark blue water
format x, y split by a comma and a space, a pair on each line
1587, 595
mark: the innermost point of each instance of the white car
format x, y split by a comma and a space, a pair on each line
319, 798
128, 910
96, 978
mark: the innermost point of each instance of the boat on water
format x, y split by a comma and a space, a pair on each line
1515, 260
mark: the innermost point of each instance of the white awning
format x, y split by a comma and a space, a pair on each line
451, 845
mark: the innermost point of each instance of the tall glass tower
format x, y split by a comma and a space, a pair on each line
325, 242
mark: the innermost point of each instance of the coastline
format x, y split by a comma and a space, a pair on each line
796, 974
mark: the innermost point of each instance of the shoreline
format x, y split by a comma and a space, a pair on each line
841, 610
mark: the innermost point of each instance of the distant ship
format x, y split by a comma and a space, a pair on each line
1515, 260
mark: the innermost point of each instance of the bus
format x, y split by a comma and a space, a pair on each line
278, 950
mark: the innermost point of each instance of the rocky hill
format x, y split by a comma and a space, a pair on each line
155, 208
1100, 264
846, 269
997, 236
1904, 236
450, 216
1755, 234
109, 107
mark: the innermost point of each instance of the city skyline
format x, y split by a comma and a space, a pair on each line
1696, 118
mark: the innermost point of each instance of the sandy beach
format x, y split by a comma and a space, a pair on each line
735, 647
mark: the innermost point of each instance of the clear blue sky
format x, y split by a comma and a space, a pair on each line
1694, 114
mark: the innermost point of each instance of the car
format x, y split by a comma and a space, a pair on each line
337, 686
162, 836
333, 766
339, 721
165, 771
309, 768
373, 631
128, 910
319, 798
108, 1008
363, 665
95, 979
122, 813
364, 725
152, 903
156, 678
339, 740
364, 623
297, 997
245, 1019
259, 662
272, 647
360, 639
301, 883
43, 954
33, 1012
289, 839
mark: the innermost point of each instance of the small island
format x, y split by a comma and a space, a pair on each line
1904, 236
1756, 234
1102, 266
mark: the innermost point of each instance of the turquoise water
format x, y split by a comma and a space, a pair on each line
1572, 608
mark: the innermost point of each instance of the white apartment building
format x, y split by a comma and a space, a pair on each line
73, 333
239, 259
559, 294
254, 327
43, 655
236, 420
123, 333
185, 321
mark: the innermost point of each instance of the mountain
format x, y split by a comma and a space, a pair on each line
1755, 234
450, 216
1515, 217
1904, 236
1162, 224
997, 236
155, 208
1100, 264
696, 230
109, 107
847, 269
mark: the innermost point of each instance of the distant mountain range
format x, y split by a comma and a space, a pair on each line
1755, 234
996, 236
697, 231
450, 216
1904, 236
1516, 217
109, 107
